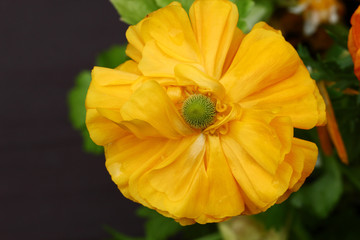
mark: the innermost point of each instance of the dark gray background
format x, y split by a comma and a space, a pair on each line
49, 188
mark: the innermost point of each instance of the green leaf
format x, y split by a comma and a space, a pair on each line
244, 8
339, 33
353, 174
299, 230
276, 216
341, 56
76, 99
196, 231
213, 236
333, 68
112, 57
88, 145
118, 236
158, 227
322, 195
260, 11
134, 11
185, 3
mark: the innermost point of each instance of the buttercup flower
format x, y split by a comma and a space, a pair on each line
199, 124
354, 41
316, 12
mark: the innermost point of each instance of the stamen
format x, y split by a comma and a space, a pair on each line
199, 111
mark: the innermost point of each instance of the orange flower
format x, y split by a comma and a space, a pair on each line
354, 41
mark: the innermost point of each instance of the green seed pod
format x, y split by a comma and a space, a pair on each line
198, 111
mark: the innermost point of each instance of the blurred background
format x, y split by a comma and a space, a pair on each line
50, 188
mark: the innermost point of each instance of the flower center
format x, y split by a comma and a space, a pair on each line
199, 111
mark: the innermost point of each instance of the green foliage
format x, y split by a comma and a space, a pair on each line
339, 33
275, 217
213, 236
133, 11
244, 8
327, 205
115, 235
112, 57
347, 111
158, 227
342, 223
261, 10
76, 99
353, 175
185, 3
321, 196
337, 67
88, 145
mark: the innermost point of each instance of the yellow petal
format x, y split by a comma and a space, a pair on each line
156, 63
133, 53
224, 197
109, 88
264, 137
234, 46
136, 43
166, 175
310, 152
172, 177
322, 119
264, 58
214, 23
268, 74
302, 159
296, 159
261, 189
255, 147
150, 104
189, 75
129, 157
164, 35
130, 67
139, 128
296, 96
102, 131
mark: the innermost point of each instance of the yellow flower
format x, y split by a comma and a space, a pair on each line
232, 154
